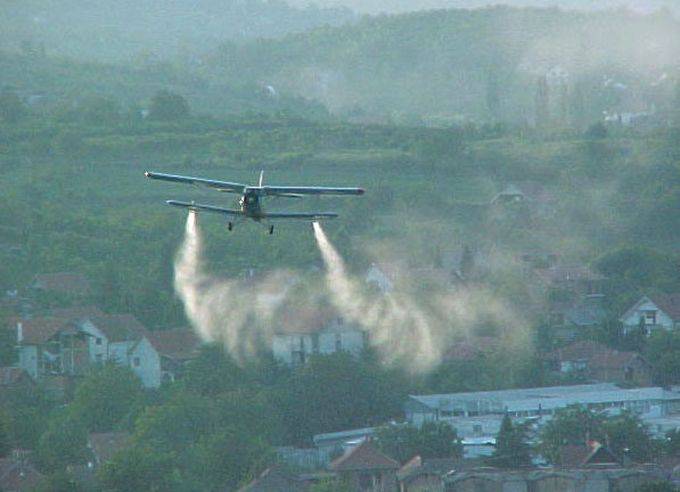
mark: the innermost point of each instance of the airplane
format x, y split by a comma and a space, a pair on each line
250, 202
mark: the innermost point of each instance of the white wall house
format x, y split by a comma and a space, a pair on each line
295, 345
660, 312
381, 278
145, 361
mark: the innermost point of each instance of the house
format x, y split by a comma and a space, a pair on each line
425, 474
591, 453
105, 445
570, 317
17, 474
175, 348
652, 313
303, 332
577, 279
522, 192
71, 340
68, 284
275, 479
383, 277
599, 363
338, 442
585, 479
365, 468
51, 346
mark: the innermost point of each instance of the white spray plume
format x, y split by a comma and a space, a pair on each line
411, 332
238, 313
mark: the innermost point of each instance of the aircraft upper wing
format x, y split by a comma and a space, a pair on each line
309, 190
211, 183
300, 216
204, 208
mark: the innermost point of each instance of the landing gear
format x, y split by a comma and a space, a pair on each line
271, 229
230, 226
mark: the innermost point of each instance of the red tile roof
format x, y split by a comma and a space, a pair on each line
77, 313
37, 331
669, 304
471, 349
120, 327
177, 344
17, 475
67, 282
274, 479
573, 455
365, 456
596, 355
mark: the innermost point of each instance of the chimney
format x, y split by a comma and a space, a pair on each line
20, 332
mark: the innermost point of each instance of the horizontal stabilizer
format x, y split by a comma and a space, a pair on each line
300, 216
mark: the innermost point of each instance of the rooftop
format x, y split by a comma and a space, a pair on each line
365, 456
120, 327
177, 344
546, 398
67, 282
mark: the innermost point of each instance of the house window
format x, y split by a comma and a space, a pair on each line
650, 317
135, 361
98, 341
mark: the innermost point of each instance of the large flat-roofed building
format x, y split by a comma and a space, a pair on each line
478, 413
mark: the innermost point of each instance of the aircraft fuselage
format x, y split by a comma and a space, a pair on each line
251, 205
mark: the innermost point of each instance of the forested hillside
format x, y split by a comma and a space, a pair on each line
491, 64
137, 30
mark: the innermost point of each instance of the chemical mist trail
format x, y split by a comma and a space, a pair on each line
399, 328
236, 313
415, 331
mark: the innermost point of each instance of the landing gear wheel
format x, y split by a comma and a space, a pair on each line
230, 226
271, 229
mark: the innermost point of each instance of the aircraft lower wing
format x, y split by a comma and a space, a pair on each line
205, 208
300, 216
210, 183
309, 190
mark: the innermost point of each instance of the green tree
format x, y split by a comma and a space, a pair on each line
63, 443
432, 440
335, 392
137, 468
213, 372
12, 109
512, 449
330, 485
106, 396
572, 425
663, 351
626, 435
100, 111
5, 436
596, 131
657, 486
167, 106
216, 464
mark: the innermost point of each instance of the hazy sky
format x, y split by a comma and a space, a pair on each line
376, 6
